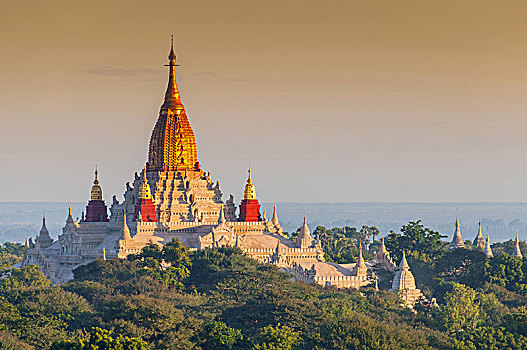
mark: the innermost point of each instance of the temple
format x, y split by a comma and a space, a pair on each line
173, 197
457, 241
516, 252
404, 284
479, 241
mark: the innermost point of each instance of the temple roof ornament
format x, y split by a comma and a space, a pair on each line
144, 190
250, 191
488, 250
125, 230
44, 238
96, 190
69, 220
479, 241
274, 219
517, 252
304, 239
360, 268
457, 241
221, 219
172, 144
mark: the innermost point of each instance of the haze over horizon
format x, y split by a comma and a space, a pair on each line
329, 102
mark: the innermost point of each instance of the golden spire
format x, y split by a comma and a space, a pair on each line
144, 190
96, 191
250, 192
172, 97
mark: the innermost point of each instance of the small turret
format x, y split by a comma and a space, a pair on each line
383, 257
125, 230
457, 241
479, 241
96, 190
274, 219
404, 284
96, 210
44, 237
488, 250
221, 219
249, 207
69, 220
517, 252
145, 210
360, 268
304, 239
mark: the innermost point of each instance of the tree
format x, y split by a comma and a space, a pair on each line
417, 241
30, 276
368, 231
100, 339
461, 311
220, 336
169, 264
276, 338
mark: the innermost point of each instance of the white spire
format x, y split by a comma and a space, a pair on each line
125, 229
457, 241
488, 250
517, 252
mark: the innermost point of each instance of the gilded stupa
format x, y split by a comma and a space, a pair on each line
172, 144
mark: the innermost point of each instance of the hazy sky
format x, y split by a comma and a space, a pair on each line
327, 100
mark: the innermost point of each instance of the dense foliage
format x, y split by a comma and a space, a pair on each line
171, 298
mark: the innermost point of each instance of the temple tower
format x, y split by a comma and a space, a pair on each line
249, 207
457, 241
96, 210
44, 238
479, 242
360, 268
145, 210
181, 191
516, 251
304, 239
404, 283
172, 144
488, 250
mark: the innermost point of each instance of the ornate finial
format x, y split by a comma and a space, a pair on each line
144, 190
250, 192
69, 210
96, 190
172, 97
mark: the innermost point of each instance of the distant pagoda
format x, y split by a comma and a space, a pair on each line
250, 207
516, 252
96, 210
457, 241
479, 241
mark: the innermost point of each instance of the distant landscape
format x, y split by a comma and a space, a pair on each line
19, 220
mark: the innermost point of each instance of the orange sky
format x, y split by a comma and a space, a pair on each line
328, 100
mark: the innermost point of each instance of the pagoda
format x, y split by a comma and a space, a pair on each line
479, 241
457, 241
488, 249
181, 190
404, 284
96, 210
145, 209
516, 252
250, 207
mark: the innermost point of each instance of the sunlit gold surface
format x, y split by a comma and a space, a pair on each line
172, 144
250, 192
96, 190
